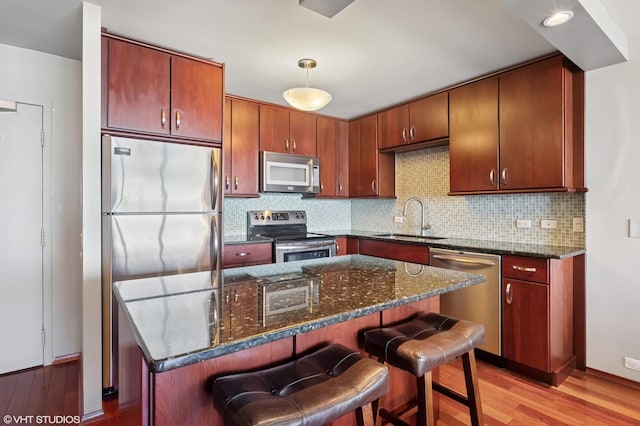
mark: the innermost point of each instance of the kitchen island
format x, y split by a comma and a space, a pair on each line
174, 337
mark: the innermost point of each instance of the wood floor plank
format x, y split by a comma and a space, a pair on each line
38, 394
7, 386
54, 404
20, 396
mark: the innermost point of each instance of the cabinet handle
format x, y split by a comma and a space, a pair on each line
523, 268
293, 142
286, 144
509, 295
235, 296
492, 177
226, 297
404, 134
505, 175
321, 186
373, 185
243, 253
235, 182
337, 247
163, 117
227, 182
177, 120
339, 187
412, 132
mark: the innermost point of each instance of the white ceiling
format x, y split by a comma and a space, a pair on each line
373, 54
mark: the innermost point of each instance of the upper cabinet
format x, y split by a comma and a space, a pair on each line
371, 174
414, 125
154, 91
333, 152
287, 131
519, 131
241, 148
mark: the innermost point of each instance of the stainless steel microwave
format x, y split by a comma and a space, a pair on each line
289, 173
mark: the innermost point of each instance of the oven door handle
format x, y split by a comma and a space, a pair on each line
304, 246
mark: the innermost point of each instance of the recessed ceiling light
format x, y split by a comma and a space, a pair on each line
558, 18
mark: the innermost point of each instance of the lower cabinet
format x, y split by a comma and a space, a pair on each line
537, 316
237, 255
396, 251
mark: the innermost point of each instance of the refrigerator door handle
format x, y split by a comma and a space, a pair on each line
215, 172
215, 247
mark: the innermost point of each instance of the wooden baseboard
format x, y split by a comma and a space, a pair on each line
92, 418
66, 358
612, 378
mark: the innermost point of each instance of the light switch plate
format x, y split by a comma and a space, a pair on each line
398, 219
548, 224
578, 224
634, 228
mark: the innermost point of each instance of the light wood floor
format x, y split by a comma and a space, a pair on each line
510, 399
507, 399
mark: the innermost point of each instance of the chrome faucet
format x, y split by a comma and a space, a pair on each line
423, 227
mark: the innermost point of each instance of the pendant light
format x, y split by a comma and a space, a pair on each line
307, 98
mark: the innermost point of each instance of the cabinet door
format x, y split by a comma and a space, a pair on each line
531, 126
355, 184
525, 323
138, 92
243, 177
393, 127
196, 99
429, 118
342, 158
274, 129
302, 133
326, 151
341, 246
473, 142
369, 156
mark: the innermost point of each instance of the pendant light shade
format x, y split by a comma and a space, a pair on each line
307, 98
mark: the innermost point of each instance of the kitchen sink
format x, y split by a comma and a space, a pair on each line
408, 236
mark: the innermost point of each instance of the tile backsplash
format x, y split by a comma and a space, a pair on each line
425, 174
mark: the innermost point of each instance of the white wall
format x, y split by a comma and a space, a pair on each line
27, 74
91, 212
613, 178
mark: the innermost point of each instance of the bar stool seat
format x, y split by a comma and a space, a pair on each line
312, 390
419, 346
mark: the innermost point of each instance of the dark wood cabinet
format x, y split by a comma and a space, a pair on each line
415, 253
236, 255
333, 152
537, 316
154, 91
519, 131
473, 144
371, 174
423, 120
241, 148
287, 131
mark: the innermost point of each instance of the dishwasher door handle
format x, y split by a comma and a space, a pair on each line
463, 260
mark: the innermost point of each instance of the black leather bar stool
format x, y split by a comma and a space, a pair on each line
420, 345
312, 390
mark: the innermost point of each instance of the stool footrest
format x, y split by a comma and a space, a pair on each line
450, 393
394, 419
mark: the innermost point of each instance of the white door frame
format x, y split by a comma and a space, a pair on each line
47, 218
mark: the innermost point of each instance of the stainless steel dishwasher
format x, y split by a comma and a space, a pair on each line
480, 303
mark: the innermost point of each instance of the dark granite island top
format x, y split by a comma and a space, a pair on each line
184, 319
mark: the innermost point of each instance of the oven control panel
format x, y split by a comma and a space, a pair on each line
276, 217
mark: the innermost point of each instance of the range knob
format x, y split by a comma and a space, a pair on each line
268, 217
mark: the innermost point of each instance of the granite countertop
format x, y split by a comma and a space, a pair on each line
480, 246
242, 239
184, 319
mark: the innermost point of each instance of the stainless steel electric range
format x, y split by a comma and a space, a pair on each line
288, 229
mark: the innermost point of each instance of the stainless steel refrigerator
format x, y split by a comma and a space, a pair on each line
161, 215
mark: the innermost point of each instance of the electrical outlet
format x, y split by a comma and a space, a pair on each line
548, 224
578, 224
631, 363
398, 219
523, 223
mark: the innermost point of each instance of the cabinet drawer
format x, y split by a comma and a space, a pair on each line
247, 254
525, 268
397, 251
